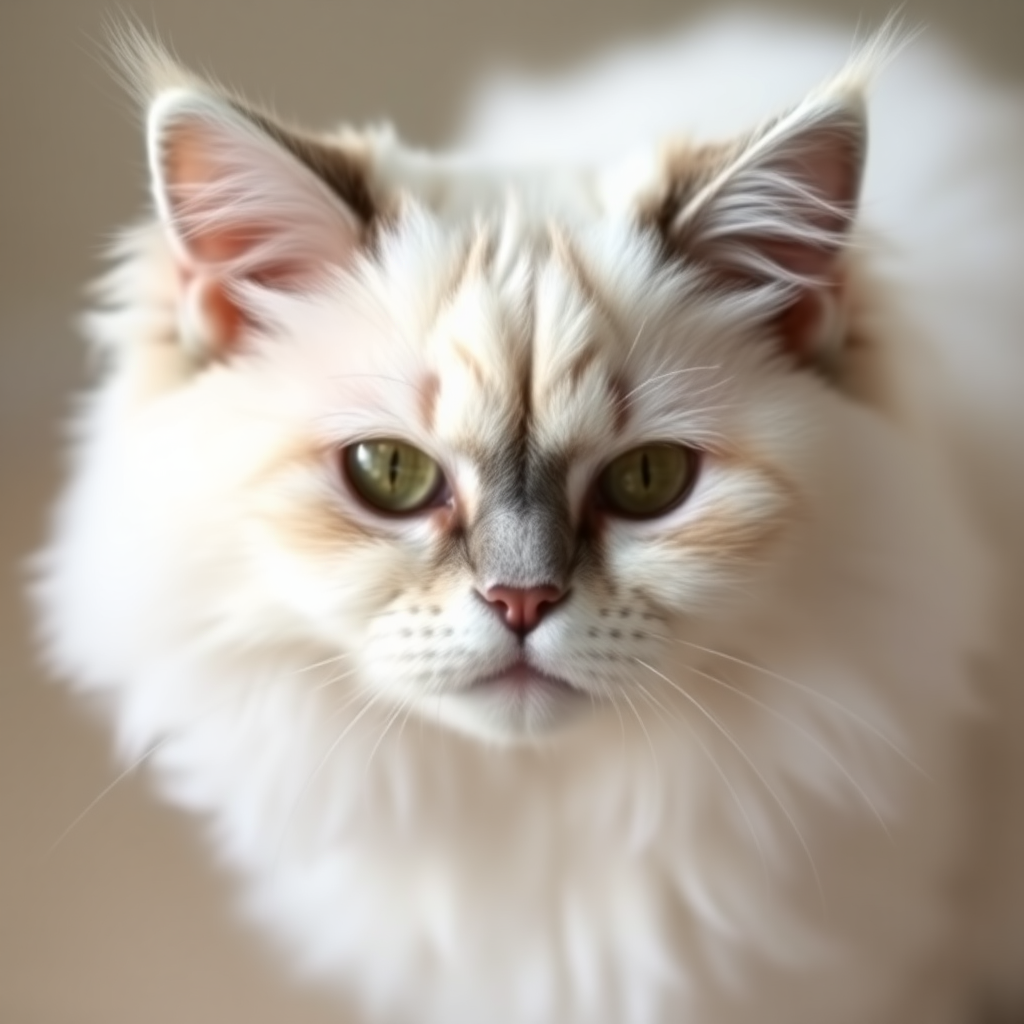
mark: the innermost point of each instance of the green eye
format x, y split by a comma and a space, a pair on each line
647, 481
392, 475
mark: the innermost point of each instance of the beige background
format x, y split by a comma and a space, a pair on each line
127, 921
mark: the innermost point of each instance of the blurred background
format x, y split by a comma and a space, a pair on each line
128, 921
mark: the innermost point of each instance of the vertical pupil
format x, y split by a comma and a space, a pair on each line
393, 468
645, 471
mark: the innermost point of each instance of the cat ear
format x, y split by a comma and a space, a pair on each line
241, 208
776, 208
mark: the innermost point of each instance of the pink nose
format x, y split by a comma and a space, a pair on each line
521, 609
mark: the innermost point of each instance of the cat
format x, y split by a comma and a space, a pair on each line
574, 576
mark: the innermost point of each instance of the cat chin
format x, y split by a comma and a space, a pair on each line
508, 714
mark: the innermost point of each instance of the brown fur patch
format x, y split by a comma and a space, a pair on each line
470, 362
686, 169
570, 260
475, 262
621, 405
583, 360
342, 163
721, 532
321, 529
723, 535
455, 279
305, 517
428, 400
478, 260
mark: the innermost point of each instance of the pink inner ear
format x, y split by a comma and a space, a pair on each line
210, 317
783, 212
832, 172
193, 180
242, 210
830, 168
803, 326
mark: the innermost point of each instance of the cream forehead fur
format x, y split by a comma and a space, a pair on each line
758, 816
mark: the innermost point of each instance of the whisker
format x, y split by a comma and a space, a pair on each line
164, 740
392, 718
408, 712
333, 681
659, 789
732, 740
345, 704
144, 756
643, 324
664, 713
807, 735
371, 701
622, 725
729, 786
647, 736
320, 664
804, 688
656, 384
670, 373
377, 376
107, 789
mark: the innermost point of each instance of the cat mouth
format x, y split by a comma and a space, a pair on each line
522, 680
517, 702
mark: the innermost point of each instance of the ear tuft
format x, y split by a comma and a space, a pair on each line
142, 64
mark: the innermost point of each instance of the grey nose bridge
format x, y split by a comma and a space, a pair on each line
522, 536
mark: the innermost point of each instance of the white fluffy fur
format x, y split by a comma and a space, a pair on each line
792, 831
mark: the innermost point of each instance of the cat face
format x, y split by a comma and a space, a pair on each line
504, 464
523, 391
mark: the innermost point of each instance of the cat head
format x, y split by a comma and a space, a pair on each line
500, 440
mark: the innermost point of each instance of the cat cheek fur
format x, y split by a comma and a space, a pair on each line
751, 802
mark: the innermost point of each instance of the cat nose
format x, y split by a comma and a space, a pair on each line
522, 608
